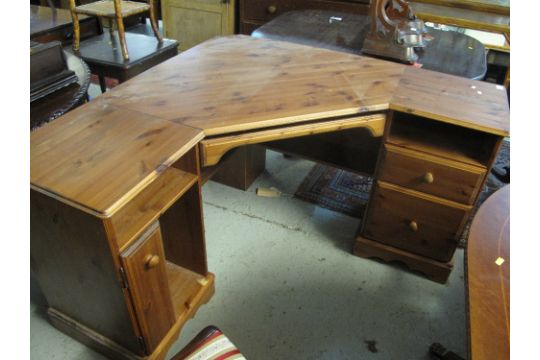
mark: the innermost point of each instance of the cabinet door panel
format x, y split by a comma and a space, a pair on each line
194, 21
144, 263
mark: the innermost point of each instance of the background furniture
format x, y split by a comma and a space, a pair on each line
488, 279
58, 103
449, 52
486, 15
194, 21
105, 58
254, 13
113, 9
115, 184
49, 24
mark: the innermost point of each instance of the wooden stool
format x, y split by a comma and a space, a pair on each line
113, 9
210, 343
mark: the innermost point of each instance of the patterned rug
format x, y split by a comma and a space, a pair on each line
345, 192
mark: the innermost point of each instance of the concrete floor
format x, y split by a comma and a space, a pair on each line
288, 287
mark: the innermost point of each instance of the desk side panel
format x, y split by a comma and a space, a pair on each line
73, 264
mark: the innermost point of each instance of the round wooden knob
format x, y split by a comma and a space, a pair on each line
151, 261
413, 225
271, 9
428, 177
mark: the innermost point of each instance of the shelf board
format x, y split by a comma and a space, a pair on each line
442, 140
185, 286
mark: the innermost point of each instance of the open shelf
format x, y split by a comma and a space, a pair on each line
441, 139
184, 286
148, 205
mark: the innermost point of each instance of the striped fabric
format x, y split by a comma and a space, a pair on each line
216, 347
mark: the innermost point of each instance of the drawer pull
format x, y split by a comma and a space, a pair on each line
428, 177
413, 225
271, 9
151, 261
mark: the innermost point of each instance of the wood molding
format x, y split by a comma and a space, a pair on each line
213, 149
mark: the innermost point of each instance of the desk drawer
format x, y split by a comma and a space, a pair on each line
430, 174
415, 222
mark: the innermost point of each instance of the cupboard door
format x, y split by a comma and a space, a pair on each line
193, 21
144, 264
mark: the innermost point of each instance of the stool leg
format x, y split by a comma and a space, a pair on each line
76, 28
102, 83
153, 21
121, 31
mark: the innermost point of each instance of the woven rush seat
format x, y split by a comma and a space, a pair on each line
105, 8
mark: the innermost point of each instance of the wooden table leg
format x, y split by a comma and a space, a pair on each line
243, 167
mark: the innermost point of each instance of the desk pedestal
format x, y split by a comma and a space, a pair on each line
434, 270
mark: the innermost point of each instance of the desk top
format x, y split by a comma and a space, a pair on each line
489, 282
98, 156
239, 83
102, 153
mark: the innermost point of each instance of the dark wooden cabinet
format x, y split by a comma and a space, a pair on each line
254, 13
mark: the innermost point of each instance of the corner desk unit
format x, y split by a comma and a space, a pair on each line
117, 233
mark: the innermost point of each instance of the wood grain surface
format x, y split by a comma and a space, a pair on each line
239, 83
99, 156
488, 282
102, 154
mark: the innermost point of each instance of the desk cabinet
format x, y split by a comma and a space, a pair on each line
428, 177
193, 21
254, 13
125, 283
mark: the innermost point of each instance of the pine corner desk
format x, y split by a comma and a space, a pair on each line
117, 233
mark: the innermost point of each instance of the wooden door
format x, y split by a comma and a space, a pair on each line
194, 21
144, 264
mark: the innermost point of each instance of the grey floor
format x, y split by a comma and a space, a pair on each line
288, 287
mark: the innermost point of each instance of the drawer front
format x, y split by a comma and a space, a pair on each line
414, 222
265, 10
432, 175
144, 264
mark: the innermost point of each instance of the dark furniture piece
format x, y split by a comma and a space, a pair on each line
103, 55
58, 103
254, 13
49, 71
49, 24
449, 52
